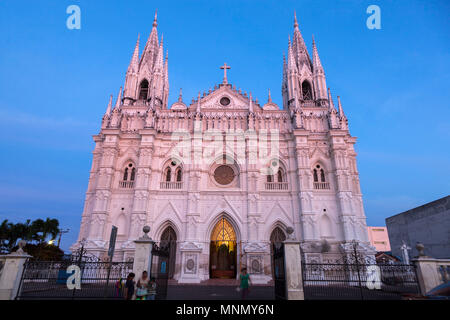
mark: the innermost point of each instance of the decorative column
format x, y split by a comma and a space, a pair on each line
11, 272
293, 267
143, 254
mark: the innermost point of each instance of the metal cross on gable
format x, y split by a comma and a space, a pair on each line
225, 67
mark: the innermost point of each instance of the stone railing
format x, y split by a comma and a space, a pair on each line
274, 186
177, 185
126, 184
321, 185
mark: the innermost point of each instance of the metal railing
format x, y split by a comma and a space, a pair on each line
48, 280
126, 184
321, 185
177, 185
358, 281
276, 185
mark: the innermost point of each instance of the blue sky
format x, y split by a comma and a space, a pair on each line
55, 84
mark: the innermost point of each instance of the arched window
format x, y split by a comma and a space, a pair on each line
173, 176
129, 174
179, 175
280, 175
306, 91
168, 174
143, 90
320, 181
125, 174
269, 178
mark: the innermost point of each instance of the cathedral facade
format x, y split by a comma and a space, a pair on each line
223, 177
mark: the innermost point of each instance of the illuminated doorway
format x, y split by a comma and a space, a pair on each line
223, 251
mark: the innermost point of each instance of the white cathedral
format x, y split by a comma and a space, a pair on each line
224, 176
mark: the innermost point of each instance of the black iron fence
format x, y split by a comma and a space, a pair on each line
358, 281
59, 280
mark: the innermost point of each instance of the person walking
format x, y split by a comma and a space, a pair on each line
152, 289
142, 287
244, 283
129, 286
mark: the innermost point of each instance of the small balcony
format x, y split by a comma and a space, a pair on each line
177, 185
126, 184
321, 185
275, 186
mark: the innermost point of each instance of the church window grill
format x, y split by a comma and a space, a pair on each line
129, 174
319, 177
306, 91
143, 90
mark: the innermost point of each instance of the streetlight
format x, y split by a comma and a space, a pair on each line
60, 234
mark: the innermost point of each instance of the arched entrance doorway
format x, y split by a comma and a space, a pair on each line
169, 237
277, 237
222, 254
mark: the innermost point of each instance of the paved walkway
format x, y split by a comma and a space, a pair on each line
217, 289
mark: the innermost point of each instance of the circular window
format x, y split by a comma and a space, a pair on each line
225, 101
224, 175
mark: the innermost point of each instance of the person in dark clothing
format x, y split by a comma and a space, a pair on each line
129, 286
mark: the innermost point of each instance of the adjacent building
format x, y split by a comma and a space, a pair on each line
428, 224
379, 238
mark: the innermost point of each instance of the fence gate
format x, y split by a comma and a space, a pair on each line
279, 270
160, 268
357, 281
98, 280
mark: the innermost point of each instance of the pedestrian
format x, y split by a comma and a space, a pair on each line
152, 289
142, 287
245, 281
119, 287
129, 286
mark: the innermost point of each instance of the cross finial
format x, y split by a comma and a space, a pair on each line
225, 67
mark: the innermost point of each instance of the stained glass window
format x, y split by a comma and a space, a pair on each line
223, 231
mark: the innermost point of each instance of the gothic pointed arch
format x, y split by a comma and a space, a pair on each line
326, 229
128, 175
169, 238
143, 90
307, 90
223, 250
172, 174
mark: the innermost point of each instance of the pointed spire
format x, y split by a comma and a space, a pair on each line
134, 63
341, 110
151, 47
108, 109
159, 62
250, 107
330, 101
317, 64
269, 99
166, 68
198, 102
291, 60
155, 20
180, 97
299, 46
119, 99
295, 20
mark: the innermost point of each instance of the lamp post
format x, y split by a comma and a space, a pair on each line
61, 233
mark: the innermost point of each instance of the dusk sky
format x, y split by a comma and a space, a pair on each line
55, 85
